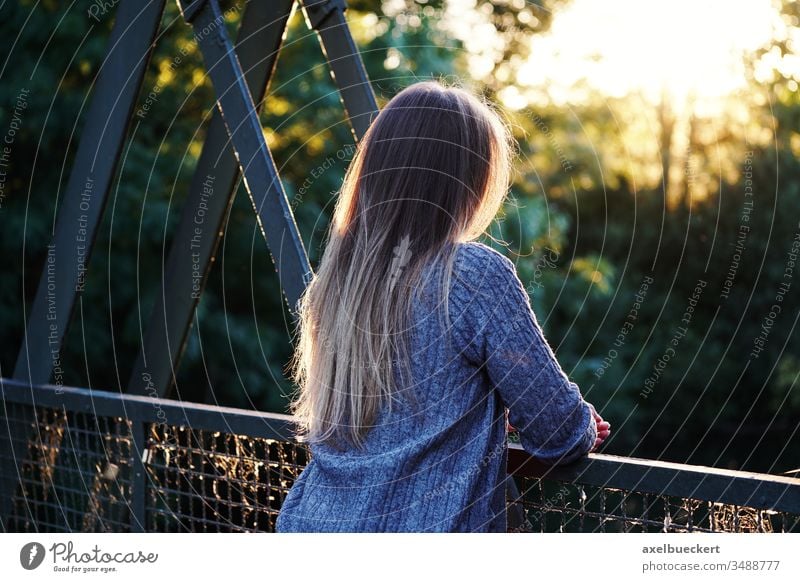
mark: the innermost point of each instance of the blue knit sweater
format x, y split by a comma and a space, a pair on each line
439, 463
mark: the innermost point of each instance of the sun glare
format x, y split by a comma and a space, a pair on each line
679, 49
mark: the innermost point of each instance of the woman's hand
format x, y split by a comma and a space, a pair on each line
603, 430
509, 428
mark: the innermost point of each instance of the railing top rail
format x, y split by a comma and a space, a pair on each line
758, 490
150, 409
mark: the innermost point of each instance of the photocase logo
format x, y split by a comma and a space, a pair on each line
31, 555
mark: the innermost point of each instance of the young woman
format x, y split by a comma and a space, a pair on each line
414, 339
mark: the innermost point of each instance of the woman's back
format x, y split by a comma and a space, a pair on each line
436, 459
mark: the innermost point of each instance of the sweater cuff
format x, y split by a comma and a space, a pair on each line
584, 444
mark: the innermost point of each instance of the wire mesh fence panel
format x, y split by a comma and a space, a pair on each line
76, 474
97, 461
555, 506
215, 482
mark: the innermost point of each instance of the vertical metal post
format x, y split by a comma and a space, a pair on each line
347, 68
211, 194
107, 121
139, 479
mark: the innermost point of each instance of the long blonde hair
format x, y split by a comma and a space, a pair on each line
432, 170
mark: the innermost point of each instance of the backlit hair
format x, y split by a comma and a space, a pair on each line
432, 170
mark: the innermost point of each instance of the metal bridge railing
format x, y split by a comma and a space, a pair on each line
100, 461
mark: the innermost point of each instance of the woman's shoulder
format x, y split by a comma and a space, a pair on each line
477, 258
480, 269
485, 296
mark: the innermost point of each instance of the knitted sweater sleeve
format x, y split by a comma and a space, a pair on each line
501, 334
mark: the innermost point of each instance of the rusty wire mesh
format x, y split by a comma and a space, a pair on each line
76, 475
217, 482
555, 506
83, 472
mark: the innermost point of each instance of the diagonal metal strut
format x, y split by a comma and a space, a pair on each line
108, 118
192, 253
211, 194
